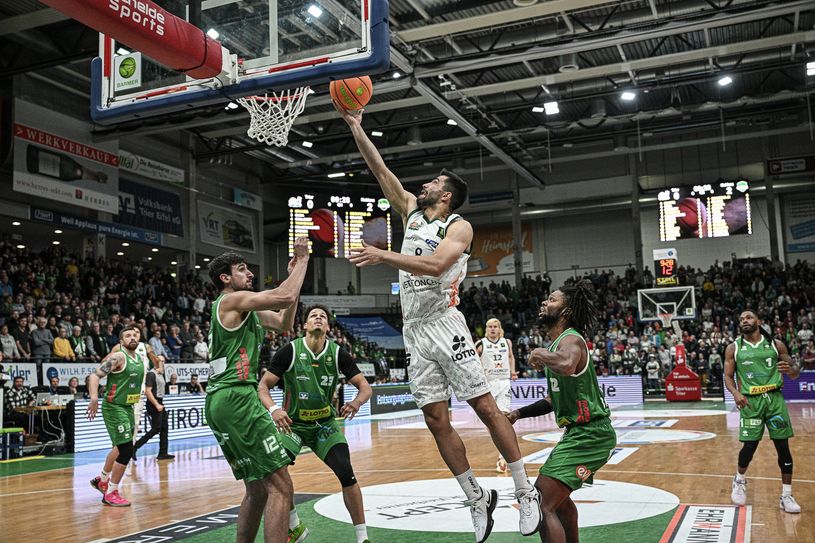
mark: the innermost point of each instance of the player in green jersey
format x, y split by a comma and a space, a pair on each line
758, 361
245, 432
575, 397
310, 368
125, 372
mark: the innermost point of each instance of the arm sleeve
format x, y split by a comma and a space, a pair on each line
282, 360
347, 365
541, 407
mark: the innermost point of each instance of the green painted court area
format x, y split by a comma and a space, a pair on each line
324, 530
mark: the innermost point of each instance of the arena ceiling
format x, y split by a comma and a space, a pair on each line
491, 66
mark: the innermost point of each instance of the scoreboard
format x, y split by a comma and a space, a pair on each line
710, 210
337, 223
665, 267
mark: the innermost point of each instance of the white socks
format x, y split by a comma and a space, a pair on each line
362, 532
112, 487
469, 485
294, 519
519, 475
786, 490
739, 477
105, 476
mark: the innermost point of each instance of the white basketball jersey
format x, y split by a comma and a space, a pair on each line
423, 295
141, 353
495, 359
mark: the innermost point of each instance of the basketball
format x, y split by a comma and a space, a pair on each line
352, 93
128, 67
692, 208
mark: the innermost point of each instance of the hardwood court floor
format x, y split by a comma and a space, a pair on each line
50, 499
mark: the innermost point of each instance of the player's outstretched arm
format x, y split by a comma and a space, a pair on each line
569, 358
537, 409
277, 298
401, 200
786, 364
282, 321
730, 376
457, 241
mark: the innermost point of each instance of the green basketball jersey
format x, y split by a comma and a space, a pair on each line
757, 366
576, 399
234, 353
310, 381
124, 387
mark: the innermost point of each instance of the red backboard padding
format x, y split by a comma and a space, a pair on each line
148, 28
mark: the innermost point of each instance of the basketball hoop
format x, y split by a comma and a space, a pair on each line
666, 319
273, 114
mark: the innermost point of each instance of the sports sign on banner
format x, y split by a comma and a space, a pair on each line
147, 207
795, 390
98, 227
55, 159
799, 222
67, 370
385, 399
149, 168
709, 523
617, 390
184, 371
26, 370
225, 227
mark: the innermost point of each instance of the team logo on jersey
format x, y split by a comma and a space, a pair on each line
303, 395
582, 472
777, 422
432, 243
415, 225
329, 361
460, 352
440, 232
302, 356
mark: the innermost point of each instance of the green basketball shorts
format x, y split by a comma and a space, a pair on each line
768, 409
581, 451
320, 436
120, 422
246, 433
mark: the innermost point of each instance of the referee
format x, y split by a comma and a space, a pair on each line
154, 391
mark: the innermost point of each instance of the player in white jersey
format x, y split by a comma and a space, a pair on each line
498, 362
439, 347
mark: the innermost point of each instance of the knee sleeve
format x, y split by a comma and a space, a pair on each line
339, 460
782, 447
125, 453
746, 453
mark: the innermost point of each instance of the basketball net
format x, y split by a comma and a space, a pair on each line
272, 115
666, 319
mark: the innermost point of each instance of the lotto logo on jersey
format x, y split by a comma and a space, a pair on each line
460, 352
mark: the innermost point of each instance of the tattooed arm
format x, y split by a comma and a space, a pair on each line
112, 362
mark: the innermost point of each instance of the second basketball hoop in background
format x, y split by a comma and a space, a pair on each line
353, 92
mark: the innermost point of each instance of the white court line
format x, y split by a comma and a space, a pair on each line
698, 475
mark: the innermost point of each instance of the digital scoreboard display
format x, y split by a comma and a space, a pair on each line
335, 224
711, 210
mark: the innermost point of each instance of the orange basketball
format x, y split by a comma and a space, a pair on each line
352, 93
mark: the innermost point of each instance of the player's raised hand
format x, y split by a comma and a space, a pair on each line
349, 410
351, 116
282, 421
301, 247
367, 256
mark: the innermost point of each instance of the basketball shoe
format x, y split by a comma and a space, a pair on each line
298, 534
529, 501
481, 510
113, 499
789, 505
100, 485
739, 494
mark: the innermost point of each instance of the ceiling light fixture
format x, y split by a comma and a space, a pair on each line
55, 242
154, 249
58, 231
15, 223
537, 109
725, 81
315, 10
212, 33
21, 246
337, 174
173, 263
397, 75
551, 108
206, 260
810, 69
120, 253
197, 267
377, 133
452, 122
308, 144
125, 244
628, 95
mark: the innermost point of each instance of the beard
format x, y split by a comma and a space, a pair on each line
748, 329
547, 320
423, 202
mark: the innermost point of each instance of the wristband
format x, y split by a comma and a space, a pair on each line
274, 408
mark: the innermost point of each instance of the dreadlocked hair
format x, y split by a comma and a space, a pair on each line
580, 302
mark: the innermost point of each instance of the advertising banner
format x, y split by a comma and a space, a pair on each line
67, 370
184, 371
247, 199
335, 302
225, 227
97, 227
26, 370
493, 251
391, 399
617, 390
799, 223
795, 390
147, 207
55, 159
149, 168
375, 329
